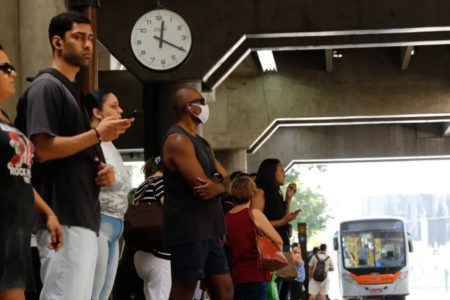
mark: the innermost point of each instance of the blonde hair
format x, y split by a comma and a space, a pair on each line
242, 189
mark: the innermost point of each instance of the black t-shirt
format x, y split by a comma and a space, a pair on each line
16, 208
68, 184
186, 217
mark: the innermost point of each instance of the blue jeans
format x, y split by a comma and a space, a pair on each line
108, 256
251, 291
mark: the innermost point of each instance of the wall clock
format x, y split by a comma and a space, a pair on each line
161, 40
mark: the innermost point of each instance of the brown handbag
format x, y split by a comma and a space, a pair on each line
288, 272
270, 257
143, 223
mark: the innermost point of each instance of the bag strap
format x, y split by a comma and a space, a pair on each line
257, 231
318, 259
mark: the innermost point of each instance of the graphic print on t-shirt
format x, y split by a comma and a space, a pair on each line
20, 162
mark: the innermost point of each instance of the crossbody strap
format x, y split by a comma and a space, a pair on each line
250, 214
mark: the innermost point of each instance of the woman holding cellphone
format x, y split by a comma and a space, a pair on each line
269, 199
113, 200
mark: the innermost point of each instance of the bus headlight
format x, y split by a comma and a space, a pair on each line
404, 275
347, 278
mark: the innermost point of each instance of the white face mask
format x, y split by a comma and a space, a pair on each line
204, 114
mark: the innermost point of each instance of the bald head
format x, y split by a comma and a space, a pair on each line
183, 96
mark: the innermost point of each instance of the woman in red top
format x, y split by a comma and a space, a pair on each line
250, 282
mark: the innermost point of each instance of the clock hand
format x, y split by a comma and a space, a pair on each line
169, 43
161, 35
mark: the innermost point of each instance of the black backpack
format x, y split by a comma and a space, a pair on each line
320, 272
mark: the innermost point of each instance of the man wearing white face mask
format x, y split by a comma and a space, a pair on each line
193, 217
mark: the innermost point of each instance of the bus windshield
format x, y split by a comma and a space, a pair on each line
373, 244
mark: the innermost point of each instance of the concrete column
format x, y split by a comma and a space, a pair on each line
9, 38
35, 51
159, 114
233, 160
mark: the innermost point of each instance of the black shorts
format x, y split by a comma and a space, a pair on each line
198, 259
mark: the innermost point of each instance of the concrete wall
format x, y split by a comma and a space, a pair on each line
364, 82
9, 38
24, 27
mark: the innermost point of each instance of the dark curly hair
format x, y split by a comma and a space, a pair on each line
152, 165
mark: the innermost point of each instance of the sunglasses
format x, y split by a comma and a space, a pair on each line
199, 101
7, 68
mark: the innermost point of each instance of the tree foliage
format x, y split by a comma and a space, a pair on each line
312, 204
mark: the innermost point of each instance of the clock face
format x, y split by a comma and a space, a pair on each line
161, 39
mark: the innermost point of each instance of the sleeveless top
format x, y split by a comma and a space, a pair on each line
274, 209
241, 239
188, 218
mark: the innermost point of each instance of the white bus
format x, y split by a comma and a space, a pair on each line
373, 261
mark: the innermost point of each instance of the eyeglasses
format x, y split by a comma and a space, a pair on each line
7, 68
199, 100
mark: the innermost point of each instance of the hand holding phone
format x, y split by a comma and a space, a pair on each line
134, 114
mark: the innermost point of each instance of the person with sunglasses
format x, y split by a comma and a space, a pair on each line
18, 199
194, 180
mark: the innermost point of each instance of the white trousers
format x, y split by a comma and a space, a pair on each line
69, 273
155, 272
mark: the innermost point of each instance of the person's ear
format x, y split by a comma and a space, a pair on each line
56, 42
97, 113
187, 107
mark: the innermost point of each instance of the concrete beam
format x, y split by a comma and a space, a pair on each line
446, 129
286, 24
353, 143
342, 121
406, 53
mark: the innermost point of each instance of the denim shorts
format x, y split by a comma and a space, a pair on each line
198, 259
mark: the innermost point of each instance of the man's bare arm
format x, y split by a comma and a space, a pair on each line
221, 169
55, 147
179, 154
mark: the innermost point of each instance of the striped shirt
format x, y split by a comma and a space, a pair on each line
153, 189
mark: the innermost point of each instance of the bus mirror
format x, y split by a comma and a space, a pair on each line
410, 245
335, 243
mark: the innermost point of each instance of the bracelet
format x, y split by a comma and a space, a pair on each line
98, 135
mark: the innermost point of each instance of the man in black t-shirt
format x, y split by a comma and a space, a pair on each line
69, 170
193, 216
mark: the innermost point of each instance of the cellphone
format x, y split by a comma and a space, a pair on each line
134, 114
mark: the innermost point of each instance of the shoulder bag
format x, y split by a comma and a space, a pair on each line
143, 223
270, 258
288, 272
